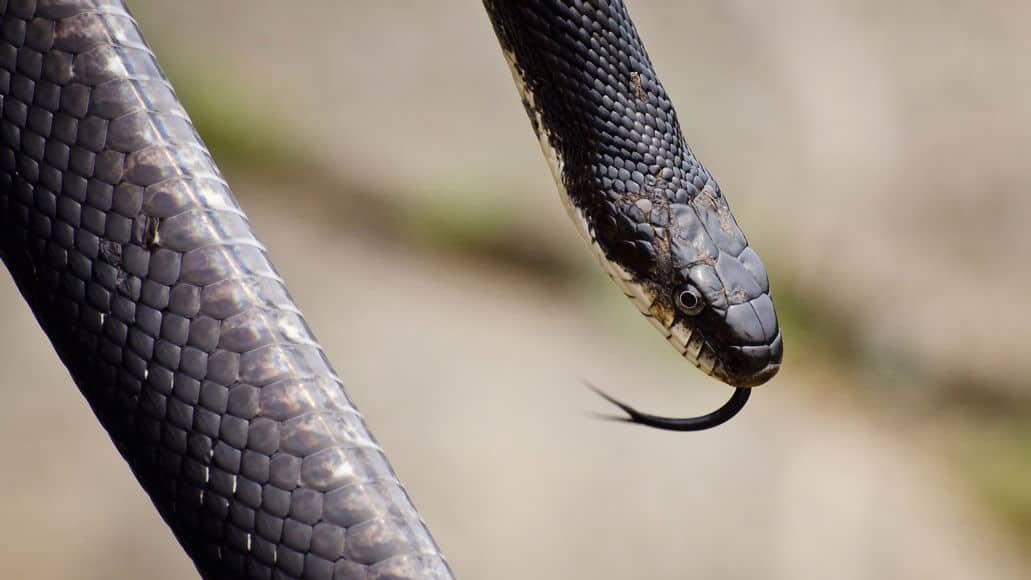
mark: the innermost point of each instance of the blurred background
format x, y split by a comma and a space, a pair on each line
875, 153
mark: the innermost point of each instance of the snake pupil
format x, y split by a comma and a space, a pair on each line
689, 301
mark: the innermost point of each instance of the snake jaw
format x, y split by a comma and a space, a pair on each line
752, 379
689, 341
732, 360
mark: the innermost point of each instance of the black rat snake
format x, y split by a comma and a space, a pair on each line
142, 269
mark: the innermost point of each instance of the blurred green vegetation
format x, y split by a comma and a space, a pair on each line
238, 136
994, 452
994, 455
243, 143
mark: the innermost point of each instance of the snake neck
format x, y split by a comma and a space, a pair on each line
604, 122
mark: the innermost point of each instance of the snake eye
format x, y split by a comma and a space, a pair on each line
689, 301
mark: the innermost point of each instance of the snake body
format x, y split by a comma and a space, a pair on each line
125, 240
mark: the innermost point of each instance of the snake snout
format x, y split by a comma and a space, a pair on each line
759, 349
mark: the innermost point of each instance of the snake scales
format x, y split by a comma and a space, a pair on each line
139, 265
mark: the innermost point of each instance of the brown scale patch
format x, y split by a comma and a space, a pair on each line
150, 233
664, 313
708, 195
636, 88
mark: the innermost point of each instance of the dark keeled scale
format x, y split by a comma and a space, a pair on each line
609, 118
138, 263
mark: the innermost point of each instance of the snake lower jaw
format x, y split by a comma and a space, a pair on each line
750, 366
749, 381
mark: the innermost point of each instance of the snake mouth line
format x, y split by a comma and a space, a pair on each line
691, 343
751, 366
752, 380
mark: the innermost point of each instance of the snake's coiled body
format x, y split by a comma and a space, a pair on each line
126, 241
128, 245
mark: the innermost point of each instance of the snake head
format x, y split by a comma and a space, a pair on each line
706, 290
723, 318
